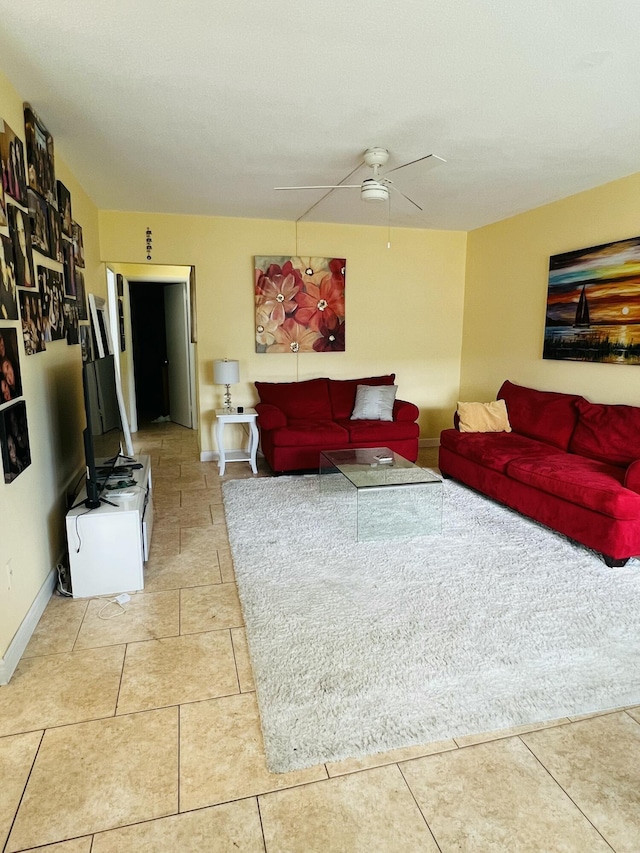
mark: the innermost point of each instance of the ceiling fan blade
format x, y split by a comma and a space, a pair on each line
395, 189
324, 187
432, 160
331, 189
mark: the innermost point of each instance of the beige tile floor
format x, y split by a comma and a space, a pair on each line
141, 733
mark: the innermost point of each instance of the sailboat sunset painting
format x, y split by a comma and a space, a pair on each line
593, 304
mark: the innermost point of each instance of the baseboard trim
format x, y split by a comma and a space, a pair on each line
429, 442
22, 636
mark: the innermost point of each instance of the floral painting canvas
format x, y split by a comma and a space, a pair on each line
593, 304
299, 304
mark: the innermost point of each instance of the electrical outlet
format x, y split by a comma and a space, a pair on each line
9, 568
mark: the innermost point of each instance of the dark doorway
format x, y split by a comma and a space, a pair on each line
149, 349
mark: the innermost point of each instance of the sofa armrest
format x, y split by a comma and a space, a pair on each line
270, 417
403, 411
632, 477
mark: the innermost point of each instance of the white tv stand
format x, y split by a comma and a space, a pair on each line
109, 545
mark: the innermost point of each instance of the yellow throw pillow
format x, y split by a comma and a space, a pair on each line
483, 417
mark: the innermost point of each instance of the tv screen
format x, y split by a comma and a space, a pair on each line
103, 436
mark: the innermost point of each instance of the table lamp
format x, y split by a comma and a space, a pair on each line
226, 372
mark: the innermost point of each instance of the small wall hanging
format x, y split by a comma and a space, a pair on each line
593, 304
299, 304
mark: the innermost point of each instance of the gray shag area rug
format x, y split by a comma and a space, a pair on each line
360, 648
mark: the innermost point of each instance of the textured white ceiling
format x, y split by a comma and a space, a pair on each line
203, 106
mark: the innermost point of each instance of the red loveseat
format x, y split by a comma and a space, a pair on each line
298, 420
570, 464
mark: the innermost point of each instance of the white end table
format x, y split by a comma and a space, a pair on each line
223, 417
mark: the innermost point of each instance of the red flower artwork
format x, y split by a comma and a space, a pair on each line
300, 304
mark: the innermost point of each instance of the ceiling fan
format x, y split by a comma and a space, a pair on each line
377, 186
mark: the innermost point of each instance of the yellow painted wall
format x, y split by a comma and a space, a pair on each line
32, 508
506, 293
404, 304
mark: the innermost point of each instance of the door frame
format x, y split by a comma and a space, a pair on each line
129, 386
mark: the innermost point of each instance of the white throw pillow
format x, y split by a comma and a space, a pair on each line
374, 403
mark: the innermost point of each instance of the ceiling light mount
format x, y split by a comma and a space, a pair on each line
376, 157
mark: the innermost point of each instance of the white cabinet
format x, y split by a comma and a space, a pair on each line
108, 546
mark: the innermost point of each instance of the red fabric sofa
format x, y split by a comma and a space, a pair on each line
298, 420
568, 463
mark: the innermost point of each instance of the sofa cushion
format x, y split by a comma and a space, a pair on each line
585, 482
342, 393
609, 433
310, 433
379, 432
632, 476
308, 399
493, 450
548, 416
374, 403
483, 417
270, 417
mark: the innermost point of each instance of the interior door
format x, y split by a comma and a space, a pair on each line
177, 326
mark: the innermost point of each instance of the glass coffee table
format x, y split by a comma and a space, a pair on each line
393, 497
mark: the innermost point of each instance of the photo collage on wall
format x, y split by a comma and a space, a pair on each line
42, 291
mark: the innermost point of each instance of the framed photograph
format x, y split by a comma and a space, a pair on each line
86, 344
81, 296
40, 163
593, 304
69, 269
121, 331
52, 298
8, 291
39, 215
14, 440
55, 234
14, 181
64, 208
71, 324
20, 233
3, 205
78, 246
32, 331
10, 375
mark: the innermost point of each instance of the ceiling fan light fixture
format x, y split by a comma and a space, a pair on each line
373, 191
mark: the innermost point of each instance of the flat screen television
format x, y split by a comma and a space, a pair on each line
104, 434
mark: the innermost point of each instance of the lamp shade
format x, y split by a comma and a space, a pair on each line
226, 372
